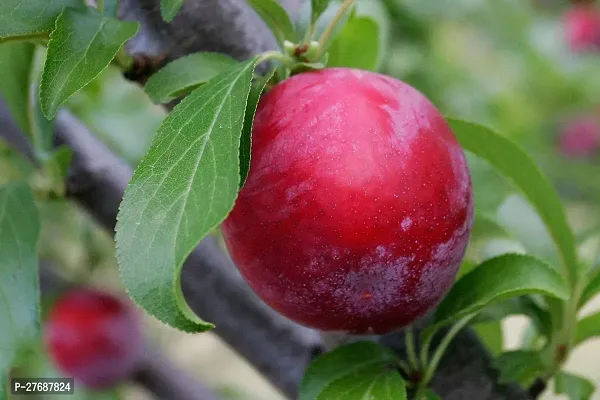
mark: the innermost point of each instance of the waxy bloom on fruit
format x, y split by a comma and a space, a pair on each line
358, 205
94, 337
582, 28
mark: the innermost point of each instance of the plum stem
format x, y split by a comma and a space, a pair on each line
404, 367
275, 55
409, 339
309, 33
331, 28
441, 348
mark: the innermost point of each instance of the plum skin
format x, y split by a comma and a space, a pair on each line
358, 206
94, 337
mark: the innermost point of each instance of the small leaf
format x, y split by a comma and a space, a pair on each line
367, 383
375, 10
519, 366
19, 76
26, 17
183, 75
498, 279
490, 333
82, 45
246, 139
522, 305
575, 387
318, 7
303, 21
335, 371
357, 45
276, 18
182, 189
587, 328
521, 170
170, 8
16, 62
19, 287
111, 8
307, 67
592, 288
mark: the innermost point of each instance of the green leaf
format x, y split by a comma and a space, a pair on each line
19, 286
498, 279
521, 170
367, 383
182, 189
587, 328
490, 334
575, 387
246, 139
111, 8
332, 373
519, 366
592, 288
372, 9
276, 18
170, 8
183, 75
27, 17
357, 45
81, 47
304, 19
377, 11
318, 7
16, 62
19, 75
522, 305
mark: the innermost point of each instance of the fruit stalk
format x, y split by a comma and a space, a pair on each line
331, 28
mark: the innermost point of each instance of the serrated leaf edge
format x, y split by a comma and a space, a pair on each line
502, 295
46, 112
180, 301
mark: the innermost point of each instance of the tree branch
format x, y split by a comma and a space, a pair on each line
225, 26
